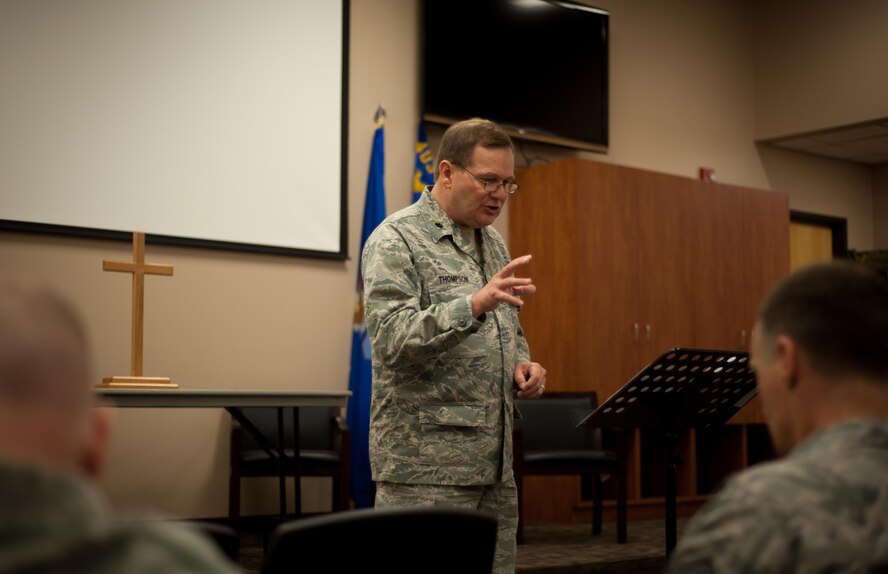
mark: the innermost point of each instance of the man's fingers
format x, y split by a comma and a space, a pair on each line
504, 287
504, 297
514, 265
508, 289
513, 282
524, 289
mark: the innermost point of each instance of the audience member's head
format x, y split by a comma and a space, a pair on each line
820, 350
52, 437
46, 409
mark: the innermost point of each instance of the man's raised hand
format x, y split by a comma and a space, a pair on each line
503, 287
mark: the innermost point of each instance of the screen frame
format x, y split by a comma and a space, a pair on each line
512, 127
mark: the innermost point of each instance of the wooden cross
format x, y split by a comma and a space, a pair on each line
139, 269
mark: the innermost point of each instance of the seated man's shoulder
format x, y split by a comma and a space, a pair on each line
156, 545
778, 515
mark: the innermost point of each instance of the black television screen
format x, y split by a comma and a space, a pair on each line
538, 68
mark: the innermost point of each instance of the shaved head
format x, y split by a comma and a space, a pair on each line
45, 391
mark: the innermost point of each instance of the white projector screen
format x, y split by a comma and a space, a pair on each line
217, 123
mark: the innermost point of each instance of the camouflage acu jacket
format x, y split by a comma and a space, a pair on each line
53, 522
442, 399
822, 509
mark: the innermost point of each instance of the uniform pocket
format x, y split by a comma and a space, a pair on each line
450, 434
474, 346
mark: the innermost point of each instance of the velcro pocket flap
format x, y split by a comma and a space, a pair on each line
452, 415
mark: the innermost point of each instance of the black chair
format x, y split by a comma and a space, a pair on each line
547, 442
431, 540
324, 450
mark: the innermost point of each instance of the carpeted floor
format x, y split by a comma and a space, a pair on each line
556, 549
571, 549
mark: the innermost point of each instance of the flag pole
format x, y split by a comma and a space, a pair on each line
360, 375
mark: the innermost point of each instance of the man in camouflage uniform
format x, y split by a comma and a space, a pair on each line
449, 355
53, 517
820, 352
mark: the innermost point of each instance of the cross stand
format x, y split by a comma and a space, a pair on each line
683, 388
139, 269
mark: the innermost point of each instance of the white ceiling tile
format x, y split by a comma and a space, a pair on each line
862, 143
851, 134
878, 144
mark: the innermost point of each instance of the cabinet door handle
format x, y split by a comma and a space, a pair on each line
635, 330
743, 338
647, 330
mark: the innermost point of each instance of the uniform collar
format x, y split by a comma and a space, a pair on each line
440, 225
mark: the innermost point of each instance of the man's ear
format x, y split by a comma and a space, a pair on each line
786, 355
95, 444
445, 173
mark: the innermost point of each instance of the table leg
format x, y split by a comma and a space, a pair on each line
282, 467
297, 475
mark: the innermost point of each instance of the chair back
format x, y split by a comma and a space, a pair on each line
547, 441
432, 540
324, 450
550, 422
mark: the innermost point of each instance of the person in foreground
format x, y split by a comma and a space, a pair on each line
53, 518
442, 301
820, 354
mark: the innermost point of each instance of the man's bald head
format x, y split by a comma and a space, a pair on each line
45, 391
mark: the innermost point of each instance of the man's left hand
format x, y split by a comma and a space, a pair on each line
530, 380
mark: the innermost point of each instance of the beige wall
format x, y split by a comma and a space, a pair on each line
825, 186
682, 92
819, 64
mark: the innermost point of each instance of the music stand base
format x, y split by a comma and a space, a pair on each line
671, 492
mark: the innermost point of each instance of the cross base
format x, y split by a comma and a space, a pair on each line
137, 383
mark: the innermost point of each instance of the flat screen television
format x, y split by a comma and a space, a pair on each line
539, 68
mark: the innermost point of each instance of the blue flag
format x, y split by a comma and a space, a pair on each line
361, 376
424, 169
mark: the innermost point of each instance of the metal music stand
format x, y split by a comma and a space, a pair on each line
683, 388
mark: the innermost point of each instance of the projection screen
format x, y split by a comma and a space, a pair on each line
216, 123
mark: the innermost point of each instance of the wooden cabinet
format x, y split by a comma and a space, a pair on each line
629, 263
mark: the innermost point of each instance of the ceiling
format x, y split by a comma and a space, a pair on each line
865, 143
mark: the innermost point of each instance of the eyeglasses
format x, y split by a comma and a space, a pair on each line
491, 185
